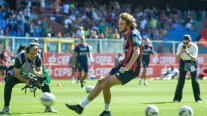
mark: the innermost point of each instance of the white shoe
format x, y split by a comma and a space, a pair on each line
145, 83
176, 101
73, 81
199, 101
5, 110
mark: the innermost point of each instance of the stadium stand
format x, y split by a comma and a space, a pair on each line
98, 19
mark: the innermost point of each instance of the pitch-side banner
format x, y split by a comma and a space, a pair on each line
58, 64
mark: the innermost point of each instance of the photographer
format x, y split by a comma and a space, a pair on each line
187, 52
27, 62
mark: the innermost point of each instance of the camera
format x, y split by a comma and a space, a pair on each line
184, 47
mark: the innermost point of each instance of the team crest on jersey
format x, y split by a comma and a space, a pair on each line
135, 39
117, 73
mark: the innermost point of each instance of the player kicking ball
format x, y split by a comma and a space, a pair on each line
127, 69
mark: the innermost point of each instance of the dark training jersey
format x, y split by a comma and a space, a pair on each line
147, 51
82, 51
132, 39
21, 59
26, 65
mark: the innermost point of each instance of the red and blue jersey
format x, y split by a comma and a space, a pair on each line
132, 39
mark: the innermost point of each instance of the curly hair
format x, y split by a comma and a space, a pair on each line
130, 20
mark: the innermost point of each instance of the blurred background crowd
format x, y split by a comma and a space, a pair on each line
43, 18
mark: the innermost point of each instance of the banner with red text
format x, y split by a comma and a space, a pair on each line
57, 64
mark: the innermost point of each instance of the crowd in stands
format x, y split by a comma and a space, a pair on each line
21, 23
99, 20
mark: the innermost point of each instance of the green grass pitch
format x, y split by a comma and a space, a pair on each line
127, 100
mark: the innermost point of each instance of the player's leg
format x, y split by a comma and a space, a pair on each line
98, 88
80, 74
118, 78
195, 85
96, 91
10, 81
73, 75
85, 74
143, 76
145, 73
179, 88
81, 78
106, 88
85, 68
107, 93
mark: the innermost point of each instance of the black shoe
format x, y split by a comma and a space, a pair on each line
105, 113
77, 108
82, 84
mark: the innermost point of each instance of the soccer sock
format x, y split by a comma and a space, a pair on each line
72, 77
107, 107
84, 102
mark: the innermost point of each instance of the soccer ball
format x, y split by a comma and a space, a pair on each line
89, 89
151, 110
47, 99
185, 111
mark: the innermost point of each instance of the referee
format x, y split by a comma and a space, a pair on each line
187, 52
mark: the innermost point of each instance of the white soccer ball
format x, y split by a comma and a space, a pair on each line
47, 99
151, 110
89, 89
186, 111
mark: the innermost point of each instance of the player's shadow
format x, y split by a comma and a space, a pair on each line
157, 103
29, 113
163, 102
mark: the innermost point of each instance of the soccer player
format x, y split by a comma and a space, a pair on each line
82, 52
147, 51
27, 61
127, 70
71, 63
3, 64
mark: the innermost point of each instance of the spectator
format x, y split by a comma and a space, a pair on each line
171, 73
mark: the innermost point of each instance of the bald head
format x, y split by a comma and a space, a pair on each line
146, 41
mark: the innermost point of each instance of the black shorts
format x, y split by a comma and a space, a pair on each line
145, 64
126, 76
2, 68
83, 67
